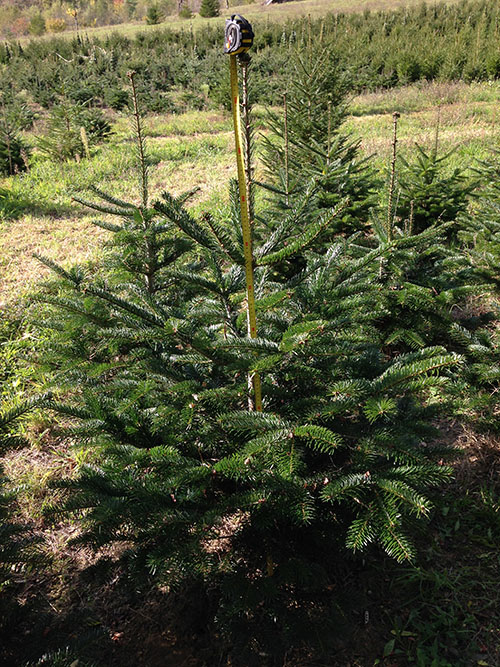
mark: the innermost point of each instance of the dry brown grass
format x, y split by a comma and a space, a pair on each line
462, 124
480, 463
65, 240
73, 238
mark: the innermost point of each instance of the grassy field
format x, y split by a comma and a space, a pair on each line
196, 150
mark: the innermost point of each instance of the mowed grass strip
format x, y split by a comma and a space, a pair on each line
464, 116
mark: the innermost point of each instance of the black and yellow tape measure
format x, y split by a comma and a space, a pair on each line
238, 39
238, 36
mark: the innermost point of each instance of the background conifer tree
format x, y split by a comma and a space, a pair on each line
306, 140
209, 8
72, 129
427, 279
428, 194
15, 116
479, 231
153, 15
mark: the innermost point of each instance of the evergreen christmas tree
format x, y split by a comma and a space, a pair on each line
152, 359
209, 8
72, 129
428, 193
480, 230
15, 116
153, 15
424, 277
425, 287
306, 141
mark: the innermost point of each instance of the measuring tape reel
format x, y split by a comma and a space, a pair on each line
238, 39
238, 36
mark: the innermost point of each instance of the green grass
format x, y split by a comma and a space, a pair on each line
424, 96
452, 599
50, 224
189, 124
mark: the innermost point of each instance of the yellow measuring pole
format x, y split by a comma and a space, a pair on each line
245, 224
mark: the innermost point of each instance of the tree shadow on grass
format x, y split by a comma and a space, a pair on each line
443, 610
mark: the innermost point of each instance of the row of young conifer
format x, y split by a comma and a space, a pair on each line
372, 328
378, 49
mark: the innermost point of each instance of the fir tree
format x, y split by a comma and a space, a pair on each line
37, 25
424, 286
425, 280
14, 117
18, 544
152, 358
428, 193
306, 140
479, 231
209, 8
153, 15
72, 129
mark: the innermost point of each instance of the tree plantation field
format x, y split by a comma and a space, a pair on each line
196, 149
181, 70
263, 445
14, 22
441, 605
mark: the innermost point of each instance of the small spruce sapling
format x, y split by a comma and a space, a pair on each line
209, 8
15, 116
424, 278
430, 191
153, 15
480, 228
306, 141
479, 232
71, 129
